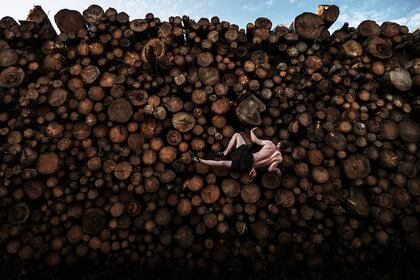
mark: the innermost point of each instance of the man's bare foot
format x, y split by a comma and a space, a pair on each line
195, 158
220, 154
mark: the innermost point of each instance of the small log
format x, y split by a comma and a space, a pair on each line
285, 198
195, 184
231, 187
369, 28
352, 48
184, 237
210, 194
90, 74
357, 202
11, 77
409, 131
204, 59
123, 170
379, 47
154, 50
389, 130
183, 122
8, 57
168, 154
34, 189
398, 78
208, 75
357, 167
93, 220
18, 214
94, 14
271, 180
250, 193
120, 110
47, 163
162, 217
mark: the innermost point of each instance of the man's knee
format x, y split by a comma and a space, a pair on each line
226, 163
237, 135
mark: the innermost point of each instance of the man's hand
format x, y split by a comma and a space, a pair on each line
278, 171
255, 139
252, 174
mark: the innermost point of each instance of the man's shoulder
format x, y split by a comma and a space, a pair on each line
268, 143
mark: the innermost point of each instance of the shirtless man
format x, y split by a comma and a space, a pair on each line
269, 155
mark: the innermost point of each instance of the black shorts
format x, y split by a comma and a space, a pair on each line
242, 160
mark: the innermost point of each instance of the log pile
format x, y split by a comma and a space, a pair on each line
98, 123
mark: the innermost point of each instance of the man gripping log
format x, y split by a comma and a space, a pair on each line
245, 161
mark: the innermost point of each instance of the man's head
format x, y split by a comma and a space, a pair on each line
282, 145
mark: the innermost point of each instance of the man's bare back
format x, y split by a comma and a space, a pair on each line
269, 155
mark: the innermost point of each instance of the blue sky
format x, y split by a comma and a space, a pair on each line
235, 11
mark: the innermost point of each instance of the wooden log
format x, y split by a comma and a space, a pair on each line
120, 110
248, 111
18, 214
285, 198
184, 237
357, 202
11, 77
398, 78
210, 194
379, 47
69, 21
352, 48
8, 57
328, 13
93, 220
250, 193
208, 75
47, 163
357, 167
153, 51
94, 14
45, 27
183, 121
231, 188
369, 28
308, 26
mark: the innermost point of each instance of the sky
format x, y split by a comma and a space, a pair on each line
235, 11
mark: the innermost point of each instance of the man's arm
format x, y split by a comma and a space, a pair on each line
252, 174
273, 167
255, 139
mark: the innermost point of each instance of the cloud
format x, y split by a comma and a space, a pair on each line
253, 8
412, 20
355, 15
369, 10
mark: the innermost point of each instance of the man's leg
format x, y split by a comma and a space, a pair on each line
219, 163
236, 141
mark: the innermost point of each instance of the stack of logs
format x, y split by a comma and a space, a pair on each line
98, 122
